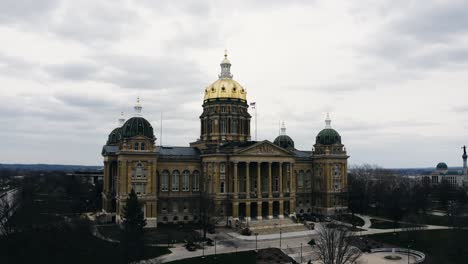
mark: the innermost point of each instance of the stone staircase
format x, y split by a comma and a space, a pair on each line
273, 226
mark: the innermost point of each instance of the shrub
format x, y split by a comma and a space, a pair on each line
246, 232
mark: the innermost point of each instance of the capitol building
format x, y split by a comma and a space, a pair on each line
246, 180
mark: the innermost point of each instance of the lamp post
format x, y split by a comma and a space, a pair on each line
280, 237
256, 242
203, 250
301, 252
215, 248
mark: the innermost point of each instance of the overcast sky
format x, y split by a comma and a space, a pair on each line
392, 74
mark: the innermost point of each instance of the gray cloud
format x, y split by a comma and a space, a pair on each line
26, 11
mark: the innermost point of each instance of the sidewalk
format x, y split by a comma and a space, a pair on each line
273, 236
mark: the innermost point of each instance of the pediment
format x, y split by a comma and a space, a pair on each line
264, 148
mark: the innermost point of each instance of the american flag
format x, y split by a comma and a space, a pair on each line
252, 105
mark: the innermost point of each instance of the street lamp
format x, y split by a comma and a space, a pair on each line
301, 252
203, 250
215, 248
280, 237
256, 243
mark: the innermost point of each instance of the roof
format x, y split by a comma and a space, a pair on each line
302, 153
167, 151
328, 136
109, 149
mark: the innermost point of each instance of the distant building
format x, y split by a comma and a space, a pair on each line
454, 177
250, 180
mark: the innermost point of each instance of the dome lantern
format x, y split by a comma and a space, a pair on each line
138, 107
225, 68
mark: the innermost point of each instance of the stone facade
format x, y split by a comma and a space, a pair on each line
245, 179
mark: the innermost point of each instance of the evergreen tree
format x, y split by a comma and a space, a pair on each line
132, 234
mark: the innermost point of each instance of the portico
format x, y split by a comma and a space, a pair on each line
262, 183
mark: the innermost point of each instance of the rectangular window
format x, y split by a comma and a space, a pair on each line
221, 187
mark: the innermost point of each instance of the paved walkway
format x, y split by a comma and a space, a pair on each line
291, 243
273, 236
370, 231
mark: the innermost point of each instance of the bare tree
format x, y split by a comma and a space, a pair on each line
5, 213
335, 248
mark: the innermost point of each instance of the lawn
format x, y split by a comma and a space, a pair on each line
440, 246
384, 224
164, 234
444, 220
350, 219
63, 244
244, 257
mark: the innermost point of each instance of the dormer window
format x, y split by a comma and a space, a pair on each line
136, 146
142, 146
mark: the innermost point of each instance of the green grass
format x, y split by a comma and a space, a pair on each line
348, 218
164, 234
444, 220
63, 245
440, 246
244, 257
383, 224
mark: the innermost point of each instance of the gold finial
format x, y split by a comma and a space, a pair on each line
225, 53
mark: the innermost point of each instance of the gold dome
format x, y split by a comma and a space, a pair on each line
225, 87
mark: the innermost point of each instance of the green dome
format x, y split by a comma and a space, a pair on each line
284, 141
328, 136
442, 166
114, 136
137, 126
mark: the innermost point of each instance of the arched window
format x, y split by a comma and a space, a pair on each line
164, 207
142, 146
196, 181
300, 179
186, 181
175, 207
165, 181
336, 170
175, 180
135, 146
139, 170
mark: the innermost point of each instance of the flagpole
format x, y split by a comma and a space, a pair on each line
161, 130
256, 121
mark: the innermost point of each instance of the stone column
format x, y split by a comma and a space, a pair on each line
236, 182
247, 211
281, 209
269, 181
235, 210
259, 181
259, 210
107, 176
123, 178
270, 209
292, 183
281, 179
247, 179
